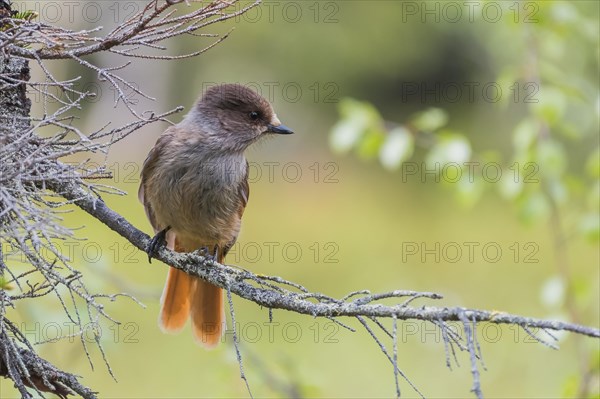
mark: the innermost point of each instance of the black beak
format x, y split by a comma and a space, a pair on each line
281, 129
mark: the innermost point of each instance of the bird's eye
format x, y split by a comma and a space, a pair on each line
254, 115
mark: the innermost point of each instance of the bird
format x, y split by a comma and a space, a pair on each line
194, 189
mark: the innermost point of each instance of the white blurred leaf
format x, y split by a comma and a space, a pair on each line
397, 148
534, 207
357, 118
509, 186
344, 135
563, 12
552, 294
558, 191
450, 148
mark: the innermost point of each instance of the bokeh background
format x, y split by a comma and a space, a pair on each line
373, 90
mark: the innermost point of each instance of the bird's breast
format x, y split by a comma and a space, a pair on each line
203, 201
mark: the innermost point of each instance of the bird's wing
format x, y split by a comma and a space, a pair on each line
148, 168
244, 192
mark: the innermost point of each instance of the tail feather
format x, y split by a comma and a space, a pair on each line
175, 300
207, 313
188, 296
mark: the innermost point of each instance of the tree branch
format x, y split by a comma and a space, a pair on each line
239, 282
58, 43
27, 369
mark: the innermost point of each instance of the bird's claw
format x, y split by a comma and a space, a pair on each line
205, 251
156, 242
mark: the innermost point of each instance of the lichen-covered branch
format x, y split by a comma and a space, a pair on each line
28, 370
270, 292
152, 25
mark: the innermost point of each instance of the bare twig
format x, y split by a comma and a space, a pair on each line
236, 343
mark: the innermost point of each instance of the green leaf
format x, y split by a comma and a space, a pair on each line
430, 120
362, 112
397, 148
571, 386
581, 290
593, 196
4, 284
595, 360
592, 165
551, 158
370, 144
552, 46
551, 105
534, 207
589, 226
506, 78
569, 130
509, 186
525, 134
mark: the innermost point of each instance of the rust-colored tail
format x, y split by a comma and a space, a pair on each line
175, 302
184, 296
207, 313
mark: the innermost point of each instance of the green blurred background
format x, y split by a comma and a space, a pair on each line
346, 221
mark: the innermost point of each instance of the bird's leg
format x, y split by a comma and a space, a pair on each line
156, 242
216, 253
205, 251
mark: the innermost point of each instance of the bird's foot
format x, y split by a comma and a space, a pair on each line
156, 242
214, 255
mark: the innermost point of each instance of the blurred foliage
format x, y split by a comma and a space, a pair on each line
550, 124
554, 88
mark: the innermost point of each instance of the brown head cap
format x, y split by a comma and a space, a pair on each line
235, 116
